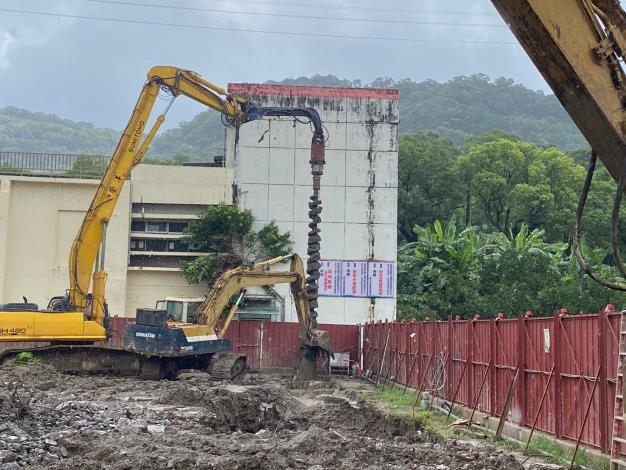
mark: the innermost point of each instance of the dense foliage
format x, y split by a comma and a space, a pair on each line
24, 131
227, 232
485, 227
446, 271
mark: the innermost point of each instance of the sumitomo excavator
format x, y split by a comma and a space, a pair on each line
579, 47
73, 322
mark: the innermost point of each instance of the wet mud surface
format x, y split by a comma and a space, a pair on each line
49, 420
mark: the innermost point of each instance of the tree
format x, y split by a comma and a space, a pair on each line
445, 271
491, 172
514, 183
226, 232
427, 181
437, 273
88, 166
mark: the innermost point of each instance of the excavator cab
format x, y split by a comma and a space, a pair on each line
180, 309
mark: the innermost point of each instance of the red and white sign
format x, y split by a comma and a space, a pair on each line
354, 277
330, 277
381, 278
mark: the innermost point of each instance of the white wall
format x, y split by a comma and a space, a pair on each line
359, 186
42, 217
39, 218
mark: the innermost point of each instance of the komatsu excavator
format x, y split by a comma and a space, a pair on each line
182, 345
74, 321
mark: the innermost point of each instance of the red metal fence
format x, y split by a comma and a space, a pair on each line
268, 345
477, 360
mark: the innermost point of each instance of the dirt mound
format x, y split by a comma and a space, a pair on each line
235, 408
365, 418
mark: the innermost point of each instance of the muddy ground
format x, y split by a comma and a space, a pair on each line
48, 420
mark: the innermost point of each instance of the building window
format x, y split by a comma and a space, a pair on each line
177, 227
155, 245
137, 245
160, 227
138, 226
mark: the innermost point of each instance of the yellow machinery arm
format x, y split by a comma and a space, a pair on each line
128, 153
89, 245
234, 280
577, 46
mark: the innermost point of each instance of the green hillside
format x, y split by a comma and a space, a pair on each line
25, 131
455, 110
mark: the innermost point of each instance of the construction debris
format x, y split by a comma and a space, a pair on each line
123, 423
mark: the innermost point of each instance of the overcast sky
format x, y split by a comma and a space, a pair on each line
92, 70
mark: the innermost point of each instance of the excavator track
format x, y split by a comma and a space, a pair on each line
83, 359
101, 360
229, 366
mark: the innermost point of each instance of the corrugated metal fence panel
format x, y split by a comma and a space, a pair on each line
480, 364
344, 338
506, 336
579, 366
117, 325
280, 345
576, 346
460, 353
539, 357
247, 338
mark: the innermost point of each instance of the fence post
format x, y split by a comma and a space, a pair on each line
521, 360
449, 367
470, 358
493, 383
603, 389
558, 400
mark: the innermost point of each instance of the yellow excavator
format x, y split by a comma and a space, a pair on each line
180, 345
579, 47
74, 321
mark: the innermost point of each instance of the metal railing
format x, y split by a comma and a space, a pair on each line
53, 164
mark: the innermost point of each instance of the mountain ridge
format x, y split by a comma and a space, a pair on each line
455, 109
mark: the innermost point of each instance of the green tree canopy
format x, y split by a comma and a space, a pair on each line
227, 233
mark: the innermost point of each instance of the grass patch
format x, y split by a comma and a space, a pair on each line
25, 358
394, 396
560, 455
436, 422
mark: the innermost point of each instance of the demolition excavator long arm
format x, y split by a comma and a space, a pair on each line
86, 261
579, 46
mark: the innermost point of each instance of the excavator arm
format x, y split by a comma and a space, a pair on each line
577, 46
87, 249
235, 280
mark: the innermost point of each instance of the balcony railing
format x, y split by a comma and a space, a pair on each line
53, 164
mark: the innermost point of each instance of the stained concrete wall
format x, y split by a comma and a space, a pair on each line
359, 186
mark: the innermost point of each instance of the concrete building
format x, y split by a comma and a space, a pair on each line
359, 189
39, 217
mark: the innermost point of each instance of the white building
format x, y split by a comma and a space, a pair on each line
359, 186
40, 216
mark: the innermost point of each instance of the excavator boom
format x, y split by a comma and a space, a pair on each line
576, 46
131, 148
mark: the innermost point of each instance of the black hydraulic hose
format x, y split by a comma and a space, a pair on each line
615, 232
317, 161
577, 222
